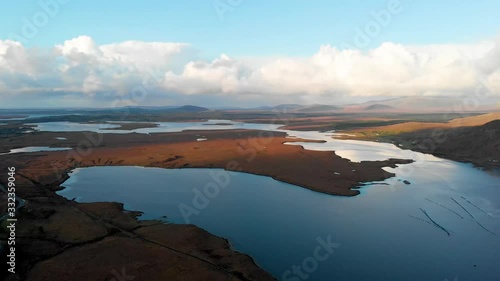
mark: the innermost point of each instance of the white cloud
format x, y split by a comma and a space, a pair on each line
389, 70
222, 75
90, 68
80, 65
82, 45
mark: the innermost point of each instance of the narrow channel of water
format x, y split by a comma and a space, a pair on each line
35, 149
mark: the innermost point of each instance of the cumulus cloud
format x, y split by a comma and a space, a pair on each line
82, 66
389, 70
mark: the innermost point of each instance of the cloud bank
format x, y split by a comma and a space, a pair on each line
79, 69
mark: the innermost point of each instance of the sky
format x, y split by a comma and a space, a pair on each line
56, 53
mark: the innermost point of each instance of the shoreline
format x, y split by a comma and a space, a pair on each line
48, 218
103, 223
252, 153
473, 139
415, 141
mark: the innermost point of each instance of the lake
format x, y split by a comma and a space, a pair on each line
444, 225
35, 149
162, 127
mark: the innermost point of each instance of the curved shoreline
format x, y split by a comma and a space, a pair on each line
322, 171
56, 242
468, 139
50, 218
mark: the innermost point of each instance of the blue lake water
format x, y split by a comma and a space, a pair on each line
65, 126
383, 233
35, 149
444, 225
350, 149
31, 115
163, 127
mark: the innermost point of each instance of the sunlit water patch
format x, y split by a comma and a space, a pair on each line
35, 149
350, 149
66, 126
32, 116
162, 127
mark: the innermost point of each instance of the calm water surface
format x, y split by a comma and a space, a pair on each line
383, 233
163, 127
35, 149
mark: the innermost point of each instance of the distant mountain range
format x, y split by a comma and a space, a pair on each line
290, 108
184, 108
189, 108
402, 104
379, 106
317, 108
424, 104
411, 104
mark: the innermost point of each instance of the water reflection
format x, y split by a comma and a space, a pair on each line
383, 233
35, 149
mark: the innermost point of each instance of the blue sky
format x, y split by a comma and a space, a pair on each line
256, 27
251, 52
